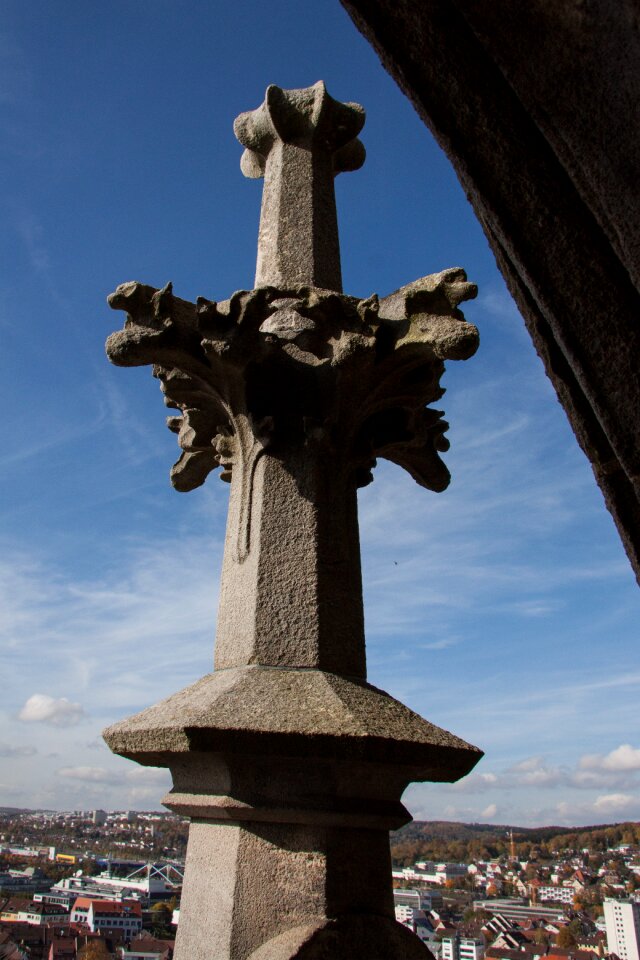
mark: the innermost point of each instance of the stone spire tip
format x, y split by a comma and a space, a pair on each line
309, 118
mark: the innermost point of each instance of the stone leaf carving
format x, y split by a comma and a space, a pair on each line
280, 368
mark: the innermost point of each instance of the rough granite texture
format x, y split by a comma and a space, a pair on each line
291, 712
274, 892
289, 764
294, 394
533, 104
298, 140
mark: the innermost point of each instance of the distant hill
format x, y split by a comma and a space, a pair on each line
447, 840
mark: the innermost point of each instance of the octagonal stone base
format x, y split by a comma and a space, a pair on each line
292, 779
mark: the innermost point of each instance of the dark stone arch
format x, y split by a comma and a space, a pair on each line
536, 106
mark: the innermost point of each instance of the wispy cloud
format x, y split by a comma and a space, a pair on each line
113, 644
445, 552
136, 775
519, 785
39, 448
119, 784
127, 638
90, 774
38, 249
442, 644
15, 752
467, 596
136, 444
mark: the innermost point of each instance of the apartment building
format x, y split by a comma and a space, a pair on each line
102, 915
622, 918
455, 947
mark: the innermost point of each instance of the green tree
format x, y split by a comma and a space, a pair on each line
161, 919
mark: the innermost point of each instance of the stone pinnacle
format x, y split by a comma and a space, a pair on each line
298, 140
289, 763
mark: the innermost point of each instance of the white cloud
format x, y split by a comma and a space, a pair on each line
41, 708
151, 775
132, 616
528, 786
136, 775
146, 795
535, 608
533, 772
475, 783
623, 758
615, 803
88, 774
528, 765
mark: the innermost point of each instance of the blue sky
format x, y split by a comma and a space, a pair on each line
504, 609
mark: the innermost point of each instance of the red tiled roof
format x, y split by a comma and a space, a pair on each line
83, 902
503, 953
560, 953
128, 907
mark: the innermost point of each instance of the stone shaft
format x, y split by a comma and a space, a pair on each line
298, 236
291, 591
299, 140
249, 885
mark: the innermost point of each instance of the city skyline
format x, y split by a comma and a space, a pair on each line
504, 609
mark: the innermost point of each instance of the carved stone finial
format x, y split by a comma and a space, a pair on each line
289, 764
298, 140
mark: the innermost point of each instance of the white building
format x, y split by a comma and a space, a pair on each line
556, 894
461, 948
38, 914
148, 883
405, 898
101, 915
470, 949
427, 871
517, 910
622, 918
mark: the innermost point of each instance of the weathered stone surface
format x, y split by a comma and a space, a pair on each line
295, 394
360, 935
289, 764
531, 102
298, 140
291, 712
284, 891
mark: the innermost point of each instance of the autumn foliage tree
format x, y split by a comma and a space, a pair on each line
94, 949
568, 935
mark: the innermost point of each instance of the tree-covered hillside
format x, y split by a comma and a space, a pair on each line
443, 840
